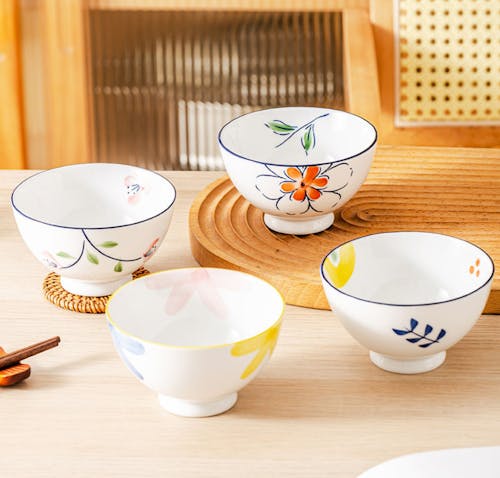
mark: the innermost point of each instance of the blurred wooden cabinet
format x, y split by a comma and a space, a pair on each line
149, 82
77, 93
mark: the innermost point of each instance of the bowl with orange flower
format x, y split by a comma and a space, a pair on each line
298, 164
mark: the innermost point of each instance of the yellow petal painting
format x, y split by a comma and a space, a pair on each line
262, 344
339, 265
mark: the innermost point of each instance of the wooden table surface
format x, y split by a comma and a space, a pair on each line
319, 408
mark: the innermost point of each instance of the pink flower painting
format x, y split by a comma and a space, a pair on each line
134, 190
197, 282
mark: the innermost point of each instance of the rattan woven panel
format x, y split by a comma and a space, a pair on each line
54, 292
447, 62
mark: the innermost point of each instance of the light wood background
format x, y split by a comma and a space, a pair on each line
12, 154
45, 65
319, 408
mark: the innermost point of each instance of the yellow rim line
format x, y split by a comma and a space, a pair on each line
194, 347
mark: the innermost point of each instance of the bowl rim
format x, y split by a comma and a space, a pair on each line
276, 323
12, 202
223, 146
485, 283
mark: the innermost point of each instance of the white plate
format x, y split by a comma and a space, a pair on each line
454, 463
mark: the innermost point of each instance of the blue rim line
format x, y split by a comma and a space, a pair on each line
408, 305
221, 144
77, 261
92, 228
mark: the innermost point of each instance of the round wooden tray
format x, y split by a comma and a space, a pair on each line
227, 231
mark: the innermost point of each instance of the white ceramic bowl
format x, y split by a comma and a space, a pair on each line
93, 224
298, 164
195, 336
407, 296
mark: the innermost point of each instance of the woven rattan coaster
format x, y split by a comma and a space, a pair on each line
54, 292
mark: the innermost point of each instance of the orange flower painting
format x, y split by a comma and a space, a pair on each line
305, 188
307, 183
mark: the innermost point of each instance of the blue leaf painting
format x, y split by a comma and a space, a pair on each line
424, 340
441, 334
122, 343
424, 346
414, 340
400, 332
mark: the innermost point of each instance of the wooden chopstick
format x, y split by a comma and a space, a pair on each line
14, 357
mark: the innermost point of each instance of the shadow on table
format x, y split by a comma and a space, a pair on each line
350, 386
47, 377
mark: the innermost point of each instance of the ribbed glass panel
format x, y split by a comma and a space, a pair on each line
164, 82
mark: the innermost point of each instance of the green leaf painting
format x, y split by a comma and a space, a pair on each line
92, 258
280, 127
65, 255
118, 267
308, 139
108, 244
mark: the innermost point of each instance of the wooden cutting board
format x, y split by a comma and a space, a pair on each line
453, 191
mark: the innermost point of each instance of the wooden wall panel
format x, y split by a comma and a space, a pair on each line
360, 66
11, 117
214, 5
66, 82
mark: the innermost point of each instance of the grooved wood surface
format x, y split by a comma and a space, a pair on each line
455, 192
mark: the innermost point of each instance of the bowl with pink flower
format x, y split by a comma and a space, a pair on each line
95, 223
195, 336
298, 164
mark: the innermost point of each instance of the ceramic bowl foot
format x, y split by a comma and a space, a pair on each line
298, 226
92, 289
408, 366
189, 408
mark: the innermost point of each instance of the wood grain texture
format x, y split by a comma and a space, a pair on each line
12, 153
455, 192
381, 14
14, 373
360, 66
249, 5
318, 409
67, 97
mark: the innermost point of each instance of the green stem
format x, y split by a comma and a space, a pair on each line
302, 127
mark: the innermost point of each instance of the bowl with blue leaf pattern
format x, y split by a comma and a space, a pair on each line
298, 164
407, 296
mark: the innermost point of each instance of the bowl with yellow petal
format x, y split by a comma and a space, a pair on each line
407, 296
298, 164
195, 336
